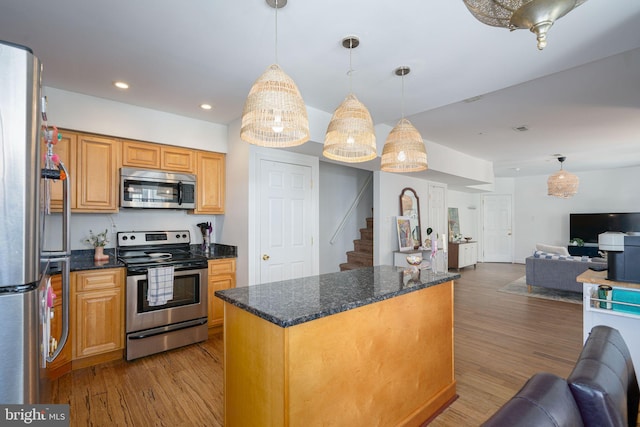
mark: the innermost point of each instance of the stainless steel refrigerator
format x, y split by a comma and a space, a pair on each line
24, 306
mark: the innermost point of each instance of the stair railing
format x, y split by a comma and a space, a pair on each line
355, 203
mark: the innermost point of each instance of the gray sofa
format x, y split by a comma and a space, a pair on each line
556, 273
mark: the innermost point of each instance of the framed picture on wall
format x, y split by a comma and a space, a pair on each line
405, 239
454, 224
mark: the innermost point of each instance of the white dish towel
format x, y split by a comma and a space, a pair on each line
160, 285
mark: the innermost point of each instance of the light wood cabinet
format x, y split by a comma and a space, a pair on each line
157, 156
94, 164
463, 255
210, 174
62, 364
140, 154
97, 316
96, 174
177, 159
222, 275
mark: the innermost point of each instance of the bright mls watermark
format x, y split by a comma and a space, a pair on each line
34, 415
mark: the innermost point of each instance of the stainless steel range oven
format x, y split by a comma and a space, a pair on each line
166, 296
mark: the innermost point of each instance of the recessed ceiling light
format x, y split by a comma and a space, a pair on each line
206, 106
121, 85
472, 99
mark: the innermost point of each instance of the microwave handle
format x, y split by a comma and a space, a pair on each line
180, 193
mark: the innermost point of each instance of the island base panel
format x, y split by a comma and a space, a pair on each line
387, 363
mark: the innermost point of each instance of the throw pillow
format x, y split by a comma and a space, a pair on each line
560, 250
547, 255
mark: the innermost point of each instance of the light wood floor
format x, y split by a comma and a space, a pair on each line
500, 341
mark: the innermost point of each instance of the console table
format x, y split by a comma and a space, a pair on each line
463, 254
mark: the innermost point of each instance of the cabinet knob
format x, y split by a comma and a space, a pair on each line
265, 257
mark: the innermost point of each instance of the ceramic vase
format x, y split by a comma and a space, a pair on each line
99, 254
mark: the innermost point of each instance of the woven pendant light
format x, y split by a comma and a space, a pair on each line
350, 135
404, 150
274, 113
562, 184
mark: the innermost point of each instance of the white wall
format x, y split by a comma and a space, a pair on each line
386, 207
540, 218
90, 114
469, 212
128, 220
236, 218
97, 115
339, 187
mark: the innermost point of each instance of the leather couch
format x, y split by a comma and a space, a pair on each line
601, 391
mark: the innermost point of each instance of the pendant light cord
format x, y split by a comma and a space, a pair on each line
276, 30
402, 102
350, 67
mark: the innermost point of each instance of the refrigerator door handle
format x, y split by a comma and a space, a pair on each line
63, 256
66, 273
66, 219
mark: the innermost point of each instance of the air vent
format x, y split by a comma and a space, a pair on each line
522, 128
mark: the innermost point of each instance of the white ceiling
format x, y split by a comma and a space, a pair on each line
579, 97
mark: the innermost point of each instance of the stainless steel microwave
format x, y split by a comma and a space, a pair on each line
144, 188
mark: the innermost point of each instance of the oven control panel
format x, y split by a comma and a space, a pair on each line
144, 238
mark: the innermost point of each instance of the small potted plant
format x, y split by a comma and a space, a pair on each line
576, 241
98, 241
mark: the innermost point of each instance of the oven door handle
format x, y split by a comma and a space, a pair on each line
164, 329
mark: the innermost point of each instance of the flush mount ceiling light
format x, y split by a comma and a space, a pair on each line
274, 113
562, 184
404, 150
350, 136
536, 15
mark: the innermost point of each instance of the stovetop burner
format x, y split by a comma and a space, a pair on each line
139, 250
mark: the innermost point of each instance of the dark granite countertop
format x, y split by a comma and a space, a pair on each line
292, 302
83, 259
216, 251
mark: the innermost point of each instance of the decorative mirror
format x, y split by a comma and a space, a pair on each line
410, 208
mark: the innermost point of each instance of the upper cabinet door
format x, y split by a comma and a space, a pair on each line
157, 156
97, 174
140, 154
210, 186
177, 159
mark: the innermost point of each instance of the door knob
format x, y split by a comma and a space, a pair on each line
265, 257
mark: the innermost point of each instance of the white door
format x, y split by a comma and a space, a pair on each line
437, 212
497, 228
285, 221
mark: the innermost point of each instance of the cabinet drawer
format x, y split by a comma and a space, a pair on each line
97, 279
222, 266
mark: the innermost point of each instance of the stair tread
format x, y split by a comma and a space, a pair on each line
362, 255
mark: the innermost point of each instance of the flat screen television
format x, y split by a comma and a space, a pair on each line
587, 226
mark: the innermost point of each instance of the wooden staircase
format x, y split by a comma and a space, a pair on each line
362, 255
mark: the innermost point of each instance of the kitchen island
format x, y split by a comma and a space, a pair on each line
372, 346
620, 311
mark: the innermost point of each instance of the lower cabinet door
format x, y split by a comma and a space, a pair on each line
97, 328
